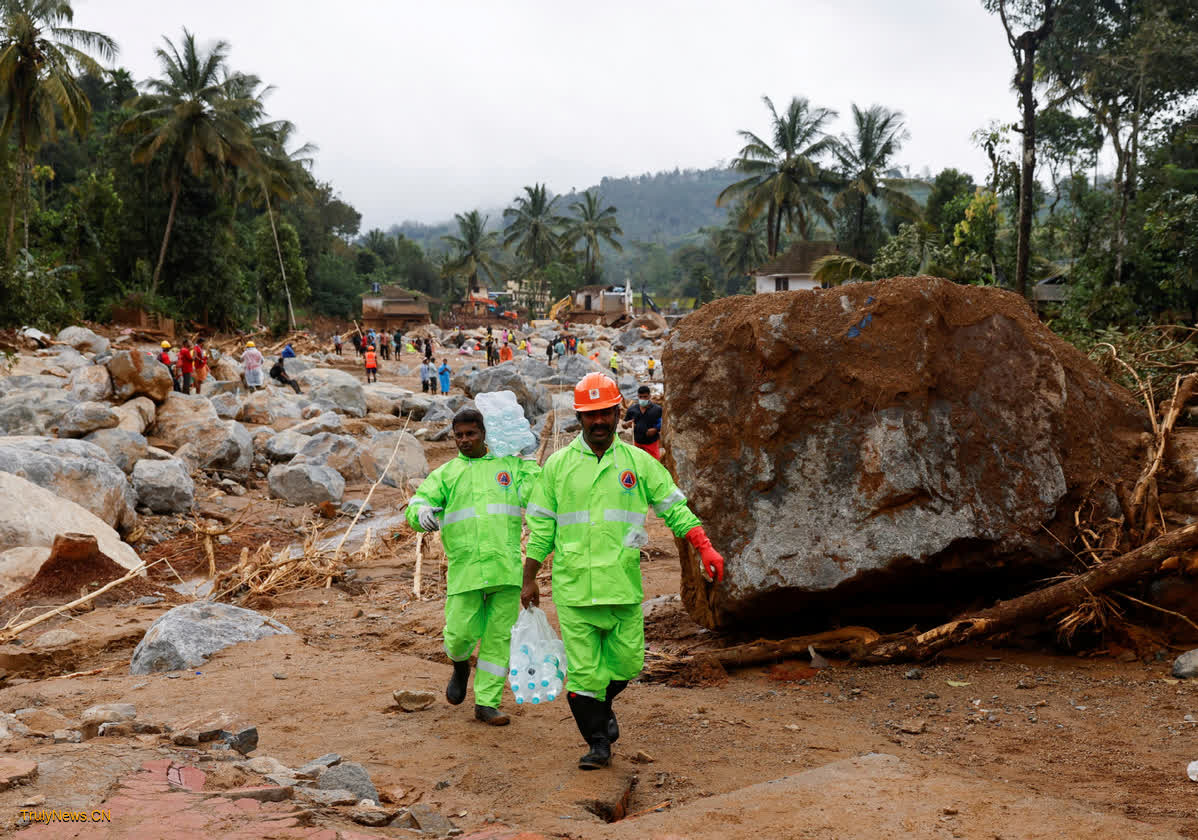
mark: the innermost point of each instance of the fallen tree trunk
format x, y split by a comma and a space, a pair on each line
1007, 615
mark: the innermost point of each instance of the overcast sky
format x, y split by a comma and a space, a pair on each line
423, 109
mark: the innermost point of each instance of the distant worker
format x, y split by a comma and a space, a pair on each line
186, 367
582, 347
372, 364
645, 418
252, 361
337, 343
614, 363
357, 339
279, 373
559, 347
476, 501
652, 367
398, 341
384, 345
426, 377
443, 373
589, 508
505, 352
490, 350
549, 350
288, 351
164, 356
199, 360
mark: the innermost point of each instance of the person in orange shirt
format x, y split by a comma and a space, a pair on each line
200, 359
372, 364
505, 352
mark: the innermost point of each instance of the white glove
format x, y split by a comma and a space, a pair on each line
428, 518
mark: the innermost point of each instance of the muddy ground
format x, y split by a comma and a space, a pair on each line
984, 743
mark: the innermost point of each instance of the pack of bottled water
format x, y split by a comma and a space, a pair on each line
508, 432
537, 669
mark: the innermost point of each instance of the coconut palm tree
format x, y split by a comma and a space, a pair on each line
741, 249
189, 117
473, 250
41, 58
533, 228
784, 179
592, 227
863, 157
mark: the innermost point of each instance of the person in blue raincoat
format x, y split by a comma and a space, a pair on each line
443, 375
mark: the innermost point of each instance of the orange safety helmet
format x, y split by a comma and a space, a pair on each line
596, 392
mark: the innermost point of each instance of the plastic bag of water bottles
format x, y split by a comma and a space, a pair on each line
508, 432
537, 672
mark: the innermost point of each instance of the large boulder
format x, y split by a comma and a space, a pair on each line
32, 516
415, 406
187, 635
91, 383
25, 381
409, 461
138, 374
887, 451
36, 411
226, 369
64, 360
124, 447
340, 452
86, 417
137, 415
164, 486
283, 446
227, 405
343, 397
326, 421
533, 398
83, 340
575, 367
75, 470
201, 438
305, 484
265, 407
180, 414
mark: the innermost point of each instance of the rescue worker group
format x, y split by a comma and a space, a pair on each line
588, 507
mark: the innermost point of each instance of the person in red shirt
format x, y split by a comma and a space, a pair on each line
199, 361
372, 364
186, 368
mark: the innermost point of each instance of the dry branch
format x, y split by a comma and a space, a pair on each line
1007, 615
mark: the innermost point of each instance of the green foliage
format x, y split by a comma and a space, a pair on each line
273, 283
951, 193
533, 228
35, 293
336, 287
592, 227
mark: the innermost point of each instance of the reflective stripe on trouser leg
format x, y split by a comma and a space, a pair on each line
603, 643
501, 605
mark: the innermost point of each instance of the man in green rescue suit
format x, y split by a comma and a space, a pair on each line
589, 509
476, 501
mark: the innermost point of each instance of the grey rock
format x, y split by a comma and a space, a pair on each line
84, 340
187, 635
268, 406
327, 797
284, 446
1186, 666
164, 486
351, 507
74, 469
227, 405
90, 383
27, 381
415, 406
338, 452
68, 359
34, 411
533, 397
108, 713
305, 484
409, 462
325, 421
575, 367
87, 417
138, 374
219, 445
374, 817
410, 700
349, 776
136, 415
244, 740
56, 638
125, 448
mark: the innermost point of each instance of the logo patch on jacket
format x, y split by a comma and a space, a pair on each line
503, 478
628, 479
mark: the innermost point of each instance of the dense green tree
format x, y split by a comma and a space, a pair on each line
864, 156
473, 252
189, 118
592, 227
533, 229
277, 257
947, 186
783, 177
41, 56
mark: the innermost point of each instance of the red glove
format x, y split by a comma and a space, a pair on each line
709, 558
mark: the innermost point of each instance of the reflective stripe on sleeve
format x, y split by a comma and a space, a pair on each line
459, 515
543, 513
506, 510
574, 517
491, 668
629, 516
668, 502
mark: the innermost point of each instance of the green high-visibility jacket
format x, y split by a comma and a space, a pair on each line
482, 502
590, 512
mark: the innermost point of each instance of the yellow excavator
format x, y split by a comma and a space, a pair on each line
558, 308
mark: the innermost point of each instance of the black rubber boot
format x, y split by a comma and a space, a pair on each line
613, 729
491, 715
591, 716
455, 692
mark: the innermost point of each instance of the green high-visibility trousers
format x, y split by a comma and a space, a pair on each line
603, 643
485, 615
